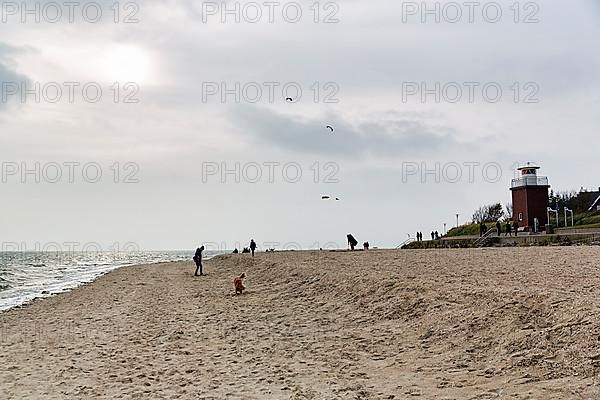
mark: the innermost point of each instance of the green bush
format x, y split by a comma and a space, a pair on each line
463, 230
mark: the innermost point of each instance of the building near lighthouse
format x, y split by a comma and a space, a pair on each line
530, 198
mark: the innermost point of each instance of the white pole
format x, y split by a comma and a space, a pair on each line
572, 220
566, 222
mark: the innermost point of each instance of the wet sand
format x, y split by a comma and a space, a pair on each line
516, 323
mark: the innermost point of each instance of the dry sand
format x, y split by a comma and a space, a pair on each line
519, 323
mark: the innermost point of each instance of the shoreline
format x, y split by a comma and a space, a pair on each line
81, 285
318, 325
66, 287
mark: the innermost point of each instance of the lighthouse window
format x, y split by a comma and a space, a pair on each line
520, 217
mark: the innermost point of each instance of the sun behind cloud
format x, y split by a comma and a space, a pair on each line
127, 63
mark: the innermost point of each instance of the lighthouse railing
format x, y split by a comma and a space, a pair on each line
530, 181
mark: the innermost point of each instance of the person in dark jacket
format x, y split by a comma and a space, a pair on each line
498, 228
352, 242
516, 228
252, 246
508, 229
198, 260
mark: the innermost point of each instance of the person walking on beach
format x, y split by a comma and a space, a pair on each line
508, 229
432, 235
498, 228
352, 242
516, 228
252, 246
198, 260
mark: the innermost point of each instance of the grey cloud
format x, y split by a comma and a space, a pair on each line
390, 134
8, 72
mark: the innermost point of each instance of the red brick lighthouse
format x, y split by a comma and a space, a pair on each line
529, 197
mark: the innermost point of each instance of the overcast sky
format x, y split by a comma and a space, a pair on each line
403, 93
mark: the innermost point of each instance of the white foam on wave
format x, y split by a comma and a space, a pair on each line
27, 282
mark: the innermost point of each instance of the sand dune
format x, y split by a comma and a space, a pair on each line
518, 323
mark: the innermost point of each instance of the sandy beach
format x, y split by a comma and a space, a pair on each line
515, 323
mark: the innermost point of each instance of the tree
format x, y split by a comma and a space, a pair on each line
479, 215
495, 212
509, 211
489, 213
577, 201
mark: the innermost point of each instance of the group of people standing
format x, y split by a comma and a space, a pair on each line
198, 255
249, 249
352, 242
434, 236
510, 228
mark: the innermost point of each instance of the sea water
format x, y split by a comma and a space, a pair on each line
25, 276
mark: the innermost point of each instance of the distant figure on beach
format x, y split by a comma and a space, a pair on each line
245, 250
483, 229
238, 282
252, 246
418, 236
235, 251
508, 229
516, 228
198, 260
437, 235
352, 242
366, 245
432, 235
498, 228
